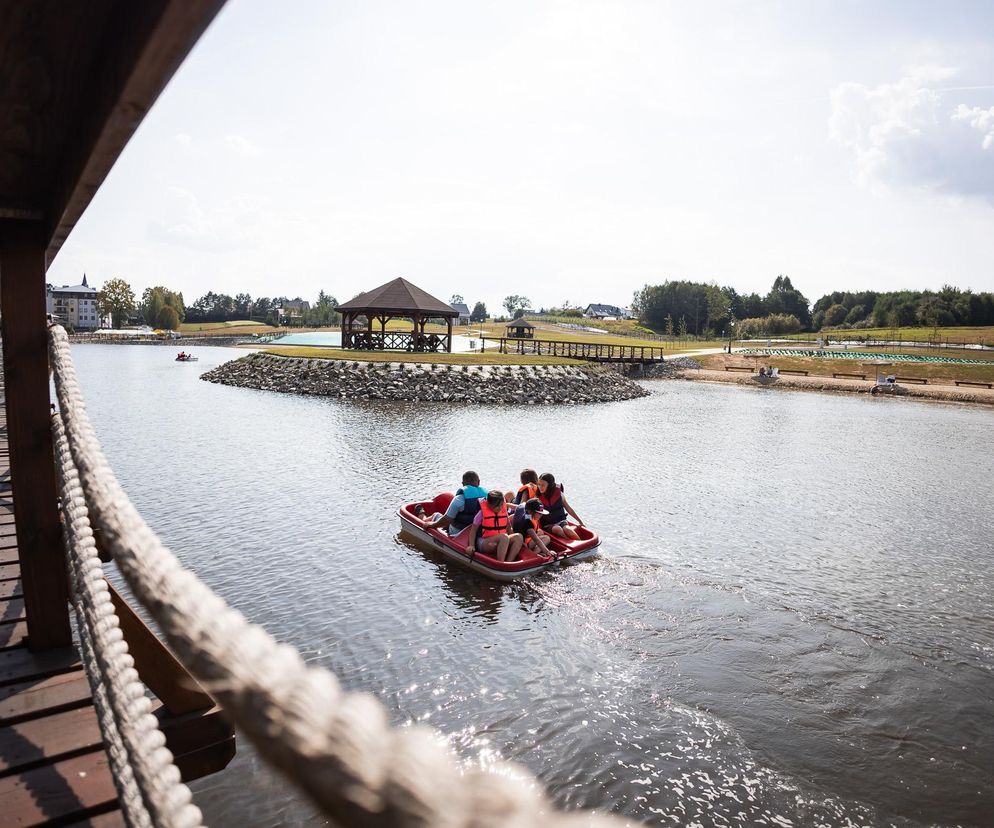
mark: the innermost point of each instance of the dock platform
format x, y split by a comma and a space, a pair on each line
53, 767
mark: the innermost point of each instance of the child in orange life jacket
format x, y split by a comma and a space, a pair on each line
552, 498
489, 533
526, 522
529, 486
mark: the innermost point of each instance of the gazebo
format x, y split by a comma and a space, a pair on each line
398, 299
520, 329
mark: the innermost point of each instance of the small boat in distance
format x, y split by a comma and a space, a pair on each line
454, 547
183, 356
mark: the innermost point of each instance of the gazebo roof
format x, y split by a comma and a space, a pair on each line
399, 296
520, 323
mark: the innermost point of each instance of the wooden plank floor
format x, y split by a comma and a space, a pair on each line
53, 768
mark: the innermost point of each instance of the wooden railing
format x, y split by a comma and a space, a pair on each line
589, 351
393, 341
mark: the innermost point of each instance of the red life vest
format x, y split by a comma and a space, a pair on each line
552, 500
494, 523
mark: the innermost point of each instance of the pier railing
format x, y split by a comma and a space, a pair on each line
337, 746
589, 351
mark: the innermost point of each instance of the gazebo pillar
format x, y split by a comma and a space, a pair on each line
448, 339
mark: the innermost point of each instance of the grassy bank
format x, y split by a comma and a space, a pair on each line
397, 356
955, 334
825, 367
954, 353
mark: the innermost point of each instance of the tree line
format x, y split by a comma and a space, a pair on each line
949, 306
679, 308
682, 307
164, 308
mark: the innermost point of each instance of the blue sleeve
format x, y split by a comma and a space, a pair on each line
455, 507
517, 496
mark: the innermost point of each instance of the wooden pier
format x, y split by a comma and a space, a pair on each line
587, 351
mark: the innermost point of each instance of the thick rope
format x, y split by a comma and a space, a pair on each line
337, 746
149, 788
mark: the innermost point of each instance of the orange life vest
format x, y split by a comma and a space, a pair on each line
494, 522
530, 490
537, 526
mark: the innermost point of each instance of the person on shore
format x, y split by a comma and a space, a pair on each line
529, 487
554, 501
526, 521
463, 508
490, 532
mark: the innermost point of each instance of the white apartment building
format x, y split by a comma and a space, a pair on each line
76, 305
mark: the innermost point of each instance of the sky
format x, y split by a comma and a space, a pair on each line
565, 151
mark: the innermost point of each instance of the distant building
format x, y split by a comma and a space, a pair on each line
293, 309
606, 312
76, 306
463, 309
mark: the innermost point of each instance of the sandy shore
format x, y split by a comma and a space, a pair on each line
940, 393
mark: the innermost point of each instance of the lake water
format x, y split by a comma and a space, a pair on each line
790, 622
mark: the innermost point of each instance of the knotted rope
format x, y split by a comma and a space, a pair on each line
337, 746
148, 784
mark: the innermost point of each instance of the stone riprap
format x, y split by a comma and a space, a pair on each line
422, 382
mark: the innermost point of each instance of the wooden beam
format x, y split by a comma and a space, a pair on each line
32, 464
142, 45
161, 671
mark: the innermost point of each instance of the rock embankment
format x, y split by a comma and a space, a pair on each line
421, 382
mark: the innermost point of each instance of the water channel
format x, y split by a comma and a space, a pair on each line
790, 623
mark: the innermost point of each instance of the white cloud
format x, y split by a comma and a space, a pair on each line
231, 224
979, 119
184, 140
907, 134
242, 146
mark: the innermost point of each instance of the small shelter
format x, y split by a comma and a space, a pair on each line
520, 329
398, 299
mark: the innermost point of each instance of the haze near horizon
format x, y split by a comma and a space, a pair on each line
564, 151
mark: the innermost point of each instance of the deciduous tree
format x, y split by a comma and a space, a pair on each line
117, 299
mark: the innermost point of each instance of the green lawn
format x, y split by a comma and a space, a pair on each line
936, 374
398, 356
955, 334
191, 327
953, 353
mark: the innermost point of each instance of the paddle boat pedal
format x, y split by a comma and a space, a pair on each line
454, 547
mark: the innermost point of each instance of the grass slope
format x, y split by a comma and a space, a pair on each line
396, 356
957, 334
825, 367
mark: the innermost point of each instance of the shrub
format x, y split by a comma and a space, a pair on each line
835, 315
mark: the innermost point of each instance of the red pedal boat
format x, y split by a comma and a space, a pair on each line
454, 547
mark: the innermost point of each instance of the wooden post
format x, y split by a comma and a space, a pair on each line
448, 344
32, 465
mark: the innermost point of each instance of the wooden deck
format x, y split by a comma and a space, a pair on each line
53, 768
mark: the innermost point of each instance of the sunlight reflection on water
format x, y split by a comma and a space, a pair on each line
790, 620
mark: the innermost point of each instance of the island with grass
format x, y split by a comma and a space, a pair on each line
492, 378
